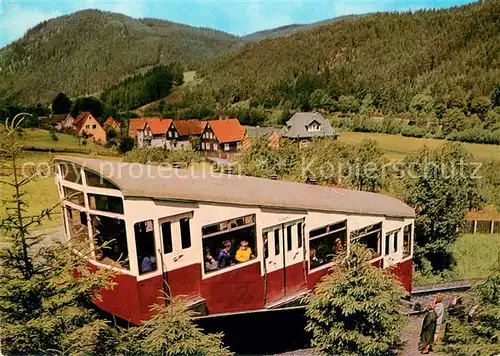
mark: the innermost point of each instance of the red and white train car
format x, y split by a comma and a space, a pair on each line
162, 226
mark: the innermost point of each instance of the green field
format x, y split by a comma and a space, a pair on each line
40, 139
475, 256
397, 146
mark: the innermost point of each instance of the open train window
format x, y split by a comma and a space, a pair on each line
106, 203
111, 239
327, 243
95, 180
185, 233
77, 225
166, 233
370, 237
391, 242
74, 196
70, 172
407, 240
229, 242
145, 246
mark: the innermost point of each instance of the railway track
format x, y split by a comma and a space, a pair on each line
421, 296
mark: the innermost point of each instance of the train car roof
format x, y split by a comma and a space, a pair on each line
148, 181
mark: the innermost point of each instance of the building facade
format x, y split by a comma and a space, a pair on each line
87, 125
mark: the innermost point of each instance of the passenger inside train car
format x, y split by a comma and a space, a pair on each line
229, 242
326, 243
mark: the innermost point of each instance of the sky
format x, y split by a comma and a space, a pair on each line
239, 17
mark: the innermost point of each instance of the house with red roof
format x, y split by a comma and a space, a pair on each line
222, 136
154, 133
180, 132
86, 125
112, 123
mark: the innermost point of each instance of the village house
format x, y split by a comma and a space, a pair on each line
303, 126
86, 125
180, 131
222, 136
110, 122
59, 121
154, 133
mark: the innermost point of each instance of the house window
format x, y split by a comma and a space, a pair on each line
226, 146
203, 145
185, 233
238, 145
110, 233
145, 246
407, 241
176, 134
94, 126
229, 242
87, 126
371, 237
166, 232
326, 243
215, 147
106, 203
170, 134
74, 196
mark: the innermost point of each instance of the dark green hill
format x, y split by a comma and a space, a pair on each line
451, 55
291, 29
87, 51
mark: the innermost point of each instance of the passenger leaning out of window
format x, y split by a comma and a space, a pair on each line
244, 253
225, 259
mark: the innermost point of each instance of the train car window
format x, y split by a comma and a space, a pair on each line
166, 232
95, 180
407, 241
276, 242
70, 172
299, 235
145, 246
371, 237
229, 242
185, 233
289, 238
78, 228
111, 237
74, 196
387, 244
106, 203
327, 243
266, 245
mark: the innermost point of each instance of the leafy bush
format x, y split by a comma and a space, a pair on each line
354, 309
159, 155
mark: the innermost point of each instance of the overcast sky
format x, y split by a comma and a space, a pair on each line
239, 17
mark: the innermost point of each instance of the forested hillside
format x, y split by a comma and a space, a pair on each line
85, 52
450, 56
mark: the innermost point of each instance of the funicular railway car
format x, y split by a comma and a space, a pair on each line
227, 243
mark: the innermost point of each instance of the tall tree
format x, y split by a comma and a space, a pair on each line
42, 304
441, 186
61, 104
354, 309
495, 96
87, 103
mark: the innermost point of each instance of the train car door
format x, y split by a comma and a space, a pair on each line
274, 275
295, 273
177, 253
283, 259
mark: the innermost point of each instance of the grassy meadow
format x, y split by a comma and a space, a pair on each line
398, 147
475, 256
